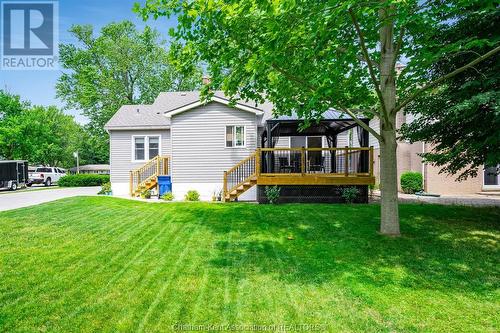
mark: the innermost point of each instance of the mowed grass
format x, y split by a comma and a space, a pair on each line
104, 264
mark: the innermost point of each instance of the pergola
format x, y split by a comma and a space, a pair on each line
331, 125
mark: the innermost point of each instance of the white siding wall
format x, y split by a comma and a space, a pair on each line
200, 156
375, 124
343, 139
121, 156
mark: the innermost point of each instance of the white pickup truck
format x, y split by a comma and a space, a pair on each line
46, 176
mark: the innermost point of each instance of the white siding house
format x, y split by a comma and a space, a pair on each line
201, 138
191, 133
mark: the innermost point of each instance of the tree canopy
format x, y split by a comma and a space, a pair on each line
121, 65
41, 135
308, 56
461, 118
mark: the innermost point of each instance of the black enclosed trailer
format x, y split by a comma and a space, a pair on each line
13, 174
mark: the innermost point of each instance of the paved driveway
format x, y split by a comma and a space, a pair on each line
13, 200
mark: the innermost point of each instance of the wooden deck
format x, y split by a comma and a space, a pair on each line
300, 166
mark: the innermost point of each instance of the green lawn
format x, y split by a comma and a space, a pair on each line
87, 264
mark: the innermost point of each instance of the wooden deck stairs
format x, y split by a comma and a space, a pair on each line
242, 188
146, 177
241, 178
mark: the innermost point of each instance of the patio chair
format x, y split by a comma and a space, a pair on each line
314, 166
284, 165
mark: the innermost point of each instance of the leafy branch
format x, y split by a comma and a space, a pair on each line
445, 77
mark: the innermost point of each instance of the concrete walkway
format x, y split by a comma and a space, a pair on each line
13, 200
462, 200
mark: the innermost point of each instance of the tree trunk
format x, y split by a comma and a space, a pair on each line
389, 223
389, 211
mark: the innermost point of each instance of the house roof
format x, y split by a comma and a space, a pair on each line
138, 117
167, 104
172, 101
92, 167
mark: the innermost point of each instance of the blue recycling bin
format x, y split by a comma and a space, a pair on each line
164, 184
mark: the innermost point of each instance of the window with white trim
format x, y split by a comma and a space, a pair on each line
235, 136
146, 147
139, 148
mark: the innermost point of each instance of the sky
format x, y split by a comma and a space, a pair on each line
38, 87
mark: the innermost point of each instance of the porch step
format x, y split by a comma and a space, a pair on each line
233, 195
147, 185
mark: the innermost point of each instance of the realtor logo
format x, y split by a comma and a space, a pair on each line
29, 35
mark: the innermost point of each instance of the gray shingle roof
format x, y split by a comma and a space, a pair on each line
136, 117
169, 101
152, 116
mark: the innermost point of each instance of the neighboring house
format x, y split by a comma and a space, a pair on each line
99, 169
236, 149
409, 160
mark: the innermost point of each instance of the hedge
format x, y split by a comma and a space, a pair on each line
83, 180
411, 182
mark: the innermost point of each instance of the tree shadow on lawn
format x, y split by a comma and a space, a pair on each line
442, 248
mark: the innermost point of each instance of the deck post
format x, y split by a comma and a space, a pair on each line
372, 161
302, 161
346, 161
257, 161
224, 189
131, 186
158, 165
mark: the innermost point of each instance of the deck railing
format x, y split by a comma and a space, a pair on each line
347, 161
240, 173
157, 166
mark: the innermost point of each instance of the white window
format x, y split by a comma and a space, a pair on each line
235, 136
139, 148
154, 146
145, 147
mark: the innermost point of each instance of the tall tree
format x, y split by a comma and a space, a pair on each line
308, 56
461, 118
120, 66
41, 135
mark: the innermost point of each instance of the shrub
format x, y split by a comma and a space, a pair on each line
411, 182
349, 194
105, 188
83, 180
273, 194
192, 195
168, 196
146, 194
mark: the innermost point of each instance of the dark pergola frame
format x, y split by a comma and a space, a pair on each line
330, 128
